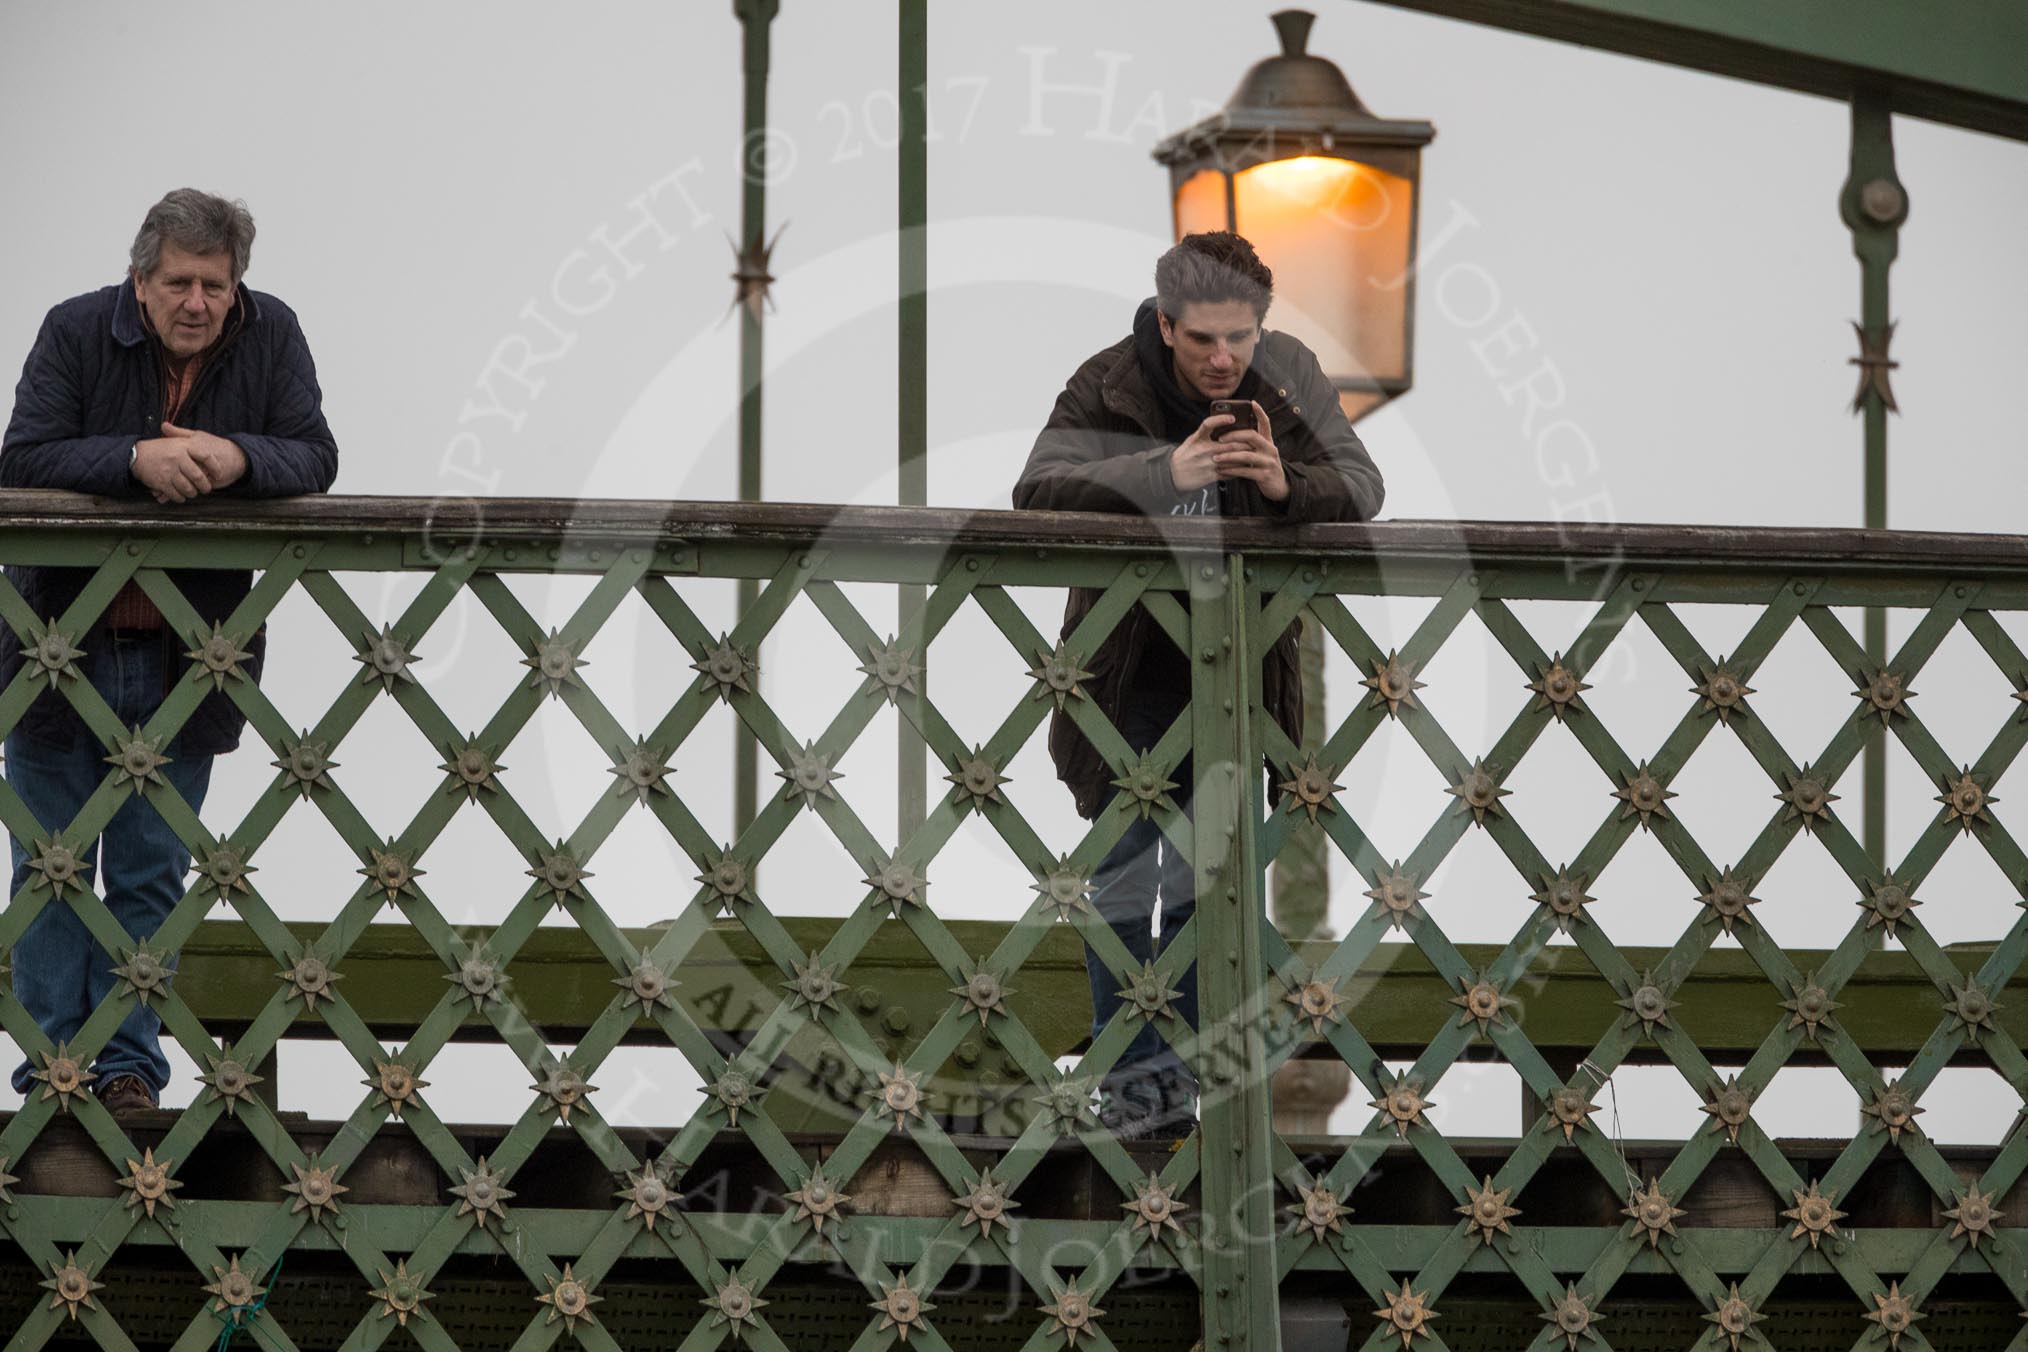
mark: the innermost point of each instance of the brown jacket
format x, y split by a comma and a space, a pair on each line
1103, 450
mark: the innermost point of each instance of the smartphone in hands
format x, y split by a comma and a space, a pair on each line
1242, 416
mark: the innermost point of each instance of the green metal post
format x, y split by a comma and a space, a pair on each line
755, 16
1874, 204
1240, 1298
912, 419
1302, 870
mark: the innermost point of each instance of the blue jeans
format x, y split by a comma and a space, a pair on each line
1145, 870
60, 972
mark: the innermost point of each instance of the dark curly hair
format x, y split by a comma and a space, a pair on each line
1214, 266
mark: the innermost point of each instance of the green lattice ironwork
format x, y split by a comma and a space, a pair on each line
1263, 1218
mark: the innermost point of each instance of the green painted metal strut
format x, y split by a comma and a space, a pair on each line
755, 16
912, 394
1240, 1284
1874, 204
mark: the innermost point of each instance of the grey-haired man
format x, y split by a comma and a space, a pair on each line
175, 383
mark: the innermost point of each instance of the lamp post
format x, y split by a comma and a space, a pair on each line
1328, 194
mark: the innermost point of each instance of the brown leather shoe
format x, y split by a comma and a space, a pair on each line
126, 1095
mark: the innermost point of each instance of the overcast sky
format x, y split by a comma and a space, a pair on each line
504, 228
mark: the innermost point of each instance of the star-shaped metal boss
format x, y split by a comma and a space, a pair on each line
1809, 799
1875, 368
1319, 1208
809, 775
400, 1295
1058, 676
1653, 1214
56, 866
650, 1191
1318, 1001
1643, 796
560, 873
1148, 996
1966, 799
1397, 894
1568, 1110
1974, 1215
392, 870
1482, 1002
727, 667
1896, 1313
734, 1305
752, 282
901, 1308
552, 663
986, 1205
1401, 1103
1971, 1007
898, 1097
729, 880
1735, 1319
144, 972
1564, 896
1557, 688
1723, 692
482, 1195
394, 1084
819, 1201
1066, 887
814, 985
228, 1081
1406, 1314
1813, 1213
982, 993
310, 978
1728, 898
1067, 1103
70, 1286
732, 1090
477, 977
891, 670
138, 760
1309, 788
234, 1291
647, 984
224, 869
1885, 694
1810, 1007
1486, 1211
218, 657
1147, 787
471, 769
61, 1075
896, 884
1393, 684
1888, 902
1071, 1313
1572, 1317
306, 763
1730, 1105
564, 1086
1155, 1209
52, 657
7, 1182
385, 659
978, 780
1647, 1004
1893, 1111
148, 1184
570, 1300
316, 1189
1478, 792
641, 770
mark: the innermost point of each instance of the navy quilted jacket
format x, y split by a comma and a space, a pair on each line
92, 387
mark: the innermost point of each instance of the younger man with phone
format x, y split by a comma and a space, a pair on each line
1199, 412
